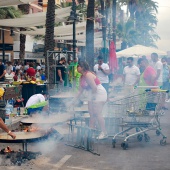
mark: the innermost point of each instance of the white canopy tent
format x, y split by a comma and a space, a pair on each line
5, 3
36, 19
139, 50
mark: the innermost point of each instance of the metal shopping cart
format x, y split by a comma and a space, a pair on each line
140, 113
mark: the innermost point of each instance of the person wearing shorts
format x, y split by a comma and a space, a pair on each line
97, 96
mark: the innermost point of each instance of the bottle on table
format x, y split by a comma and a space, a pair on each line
18, 111
8, 119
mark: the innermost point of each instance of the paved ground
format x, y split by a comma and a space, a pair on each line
139, 155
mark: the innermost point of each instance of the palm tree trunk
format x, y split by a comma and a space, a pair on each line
90, 34
49, 41
25, 9
103, 27
22, 45
114, 20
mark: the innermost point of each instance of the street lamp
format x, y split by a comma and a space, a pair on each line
12, 32
73, 17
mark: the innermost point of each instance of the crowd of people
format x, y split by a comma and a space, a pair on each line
19, 71
153, 72
148, 73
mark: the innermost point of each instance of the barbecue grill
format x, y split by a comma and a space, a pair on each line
21, 137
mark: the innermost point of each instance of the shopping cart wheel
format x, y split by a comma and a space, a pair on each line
158, 132
147, 138
140, 137
163, 142
114, 143
124, 145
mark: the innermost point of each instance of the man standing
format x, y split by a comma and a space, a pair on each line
148, 75
131, 75
102, 71
31, 71
157, 65
9, 68
74, 75
60, 73
2, 71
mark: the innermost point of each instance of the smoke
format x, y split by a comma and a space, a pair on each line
1, 161
47, 146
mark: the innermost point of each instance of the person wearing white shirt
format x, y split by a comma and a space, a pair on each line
9, 68
131, 76
102, 71
131, 73
157, 65
36, 103
18, 66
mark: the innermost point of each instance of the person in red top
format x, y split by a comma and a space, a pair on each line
148, 75
96, 96
31, 71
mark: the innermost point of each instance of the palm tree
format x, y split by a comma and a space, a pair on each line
104, 23
90, 33
127, 33
143, 15
25, 10
49, 39
9, 12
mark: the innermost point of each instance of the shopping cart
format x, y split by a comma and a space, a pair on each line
140, 113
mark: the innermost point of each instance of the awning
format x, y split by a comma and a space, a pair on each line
97, 43
59, 31
35, 19
5, 3
80, 37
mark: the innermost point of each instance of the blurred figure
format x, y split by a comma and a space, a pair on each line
157, 65
61, 73
131, 73
17, 75
38, 67
97, 96
74, 75
18, 66
43, 66
147, 77
26, 67
131, 76
42, 74
166, 77
165, 74
2, 71
31, 71
9, 68
102, 71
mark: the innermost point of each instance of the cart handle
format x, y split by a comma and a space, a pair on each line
147, 87
157, 90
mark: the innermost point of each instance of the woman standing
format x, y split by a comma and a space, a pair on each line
97, 96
